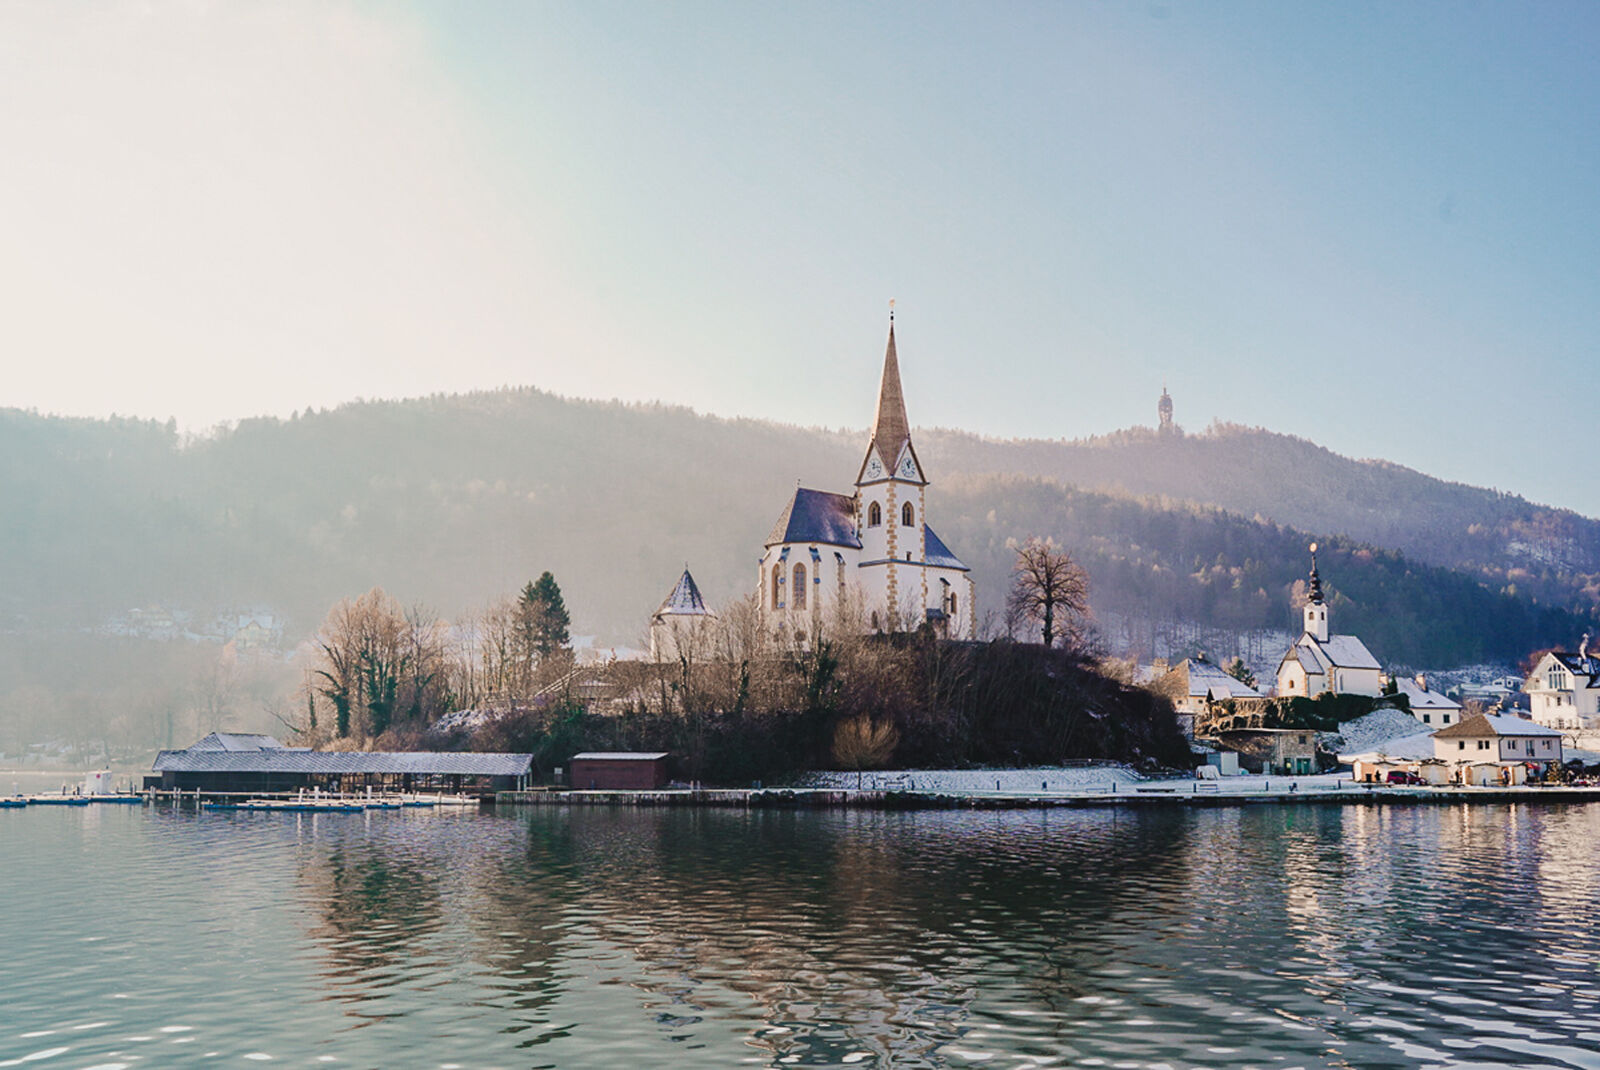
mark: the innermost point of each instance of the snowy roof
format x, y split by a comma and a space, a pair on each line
1585, 666
1493, 725
236, 741
817, 516
1340, 651
1416, 746
938, 553
1205, 679
425, 763
1423, 698
620, 755
1348, 652
684, 600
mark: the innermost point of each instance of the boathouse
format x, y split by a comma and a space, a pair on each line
226, 762
618, 771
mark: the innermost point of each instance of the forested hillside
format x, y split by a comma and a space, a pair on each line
452, 501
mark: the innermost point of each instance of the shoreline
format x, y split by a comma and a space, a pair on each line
869, 799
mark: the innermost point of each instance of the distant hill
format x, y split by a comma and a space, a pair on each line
453, 500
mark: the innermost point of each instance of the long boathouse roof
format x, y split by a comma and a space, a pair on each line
269, 759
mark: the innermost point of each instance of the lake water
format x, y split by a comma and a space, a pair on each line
1262, 936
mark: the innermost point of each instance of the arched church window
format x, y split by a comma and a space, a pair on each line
874, 515
799, 595
777, 579
952, 604
908, 515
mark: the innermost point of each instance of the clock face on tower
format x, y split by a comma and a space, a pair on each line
874, 468
908, 468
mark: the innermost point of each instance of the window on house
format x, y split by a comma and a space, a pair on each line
874, 515
1425, 719
1530, 748
1461, 744
908, 515
777, 586
799, 595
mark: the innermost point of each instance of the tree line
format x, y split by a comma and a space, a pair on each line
734, 701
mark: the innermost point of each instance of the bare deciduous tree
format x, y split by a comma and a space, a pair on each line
861, 742
379, 665
1048, 589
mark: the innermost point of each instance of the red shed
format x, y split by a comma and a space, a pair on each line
618, 771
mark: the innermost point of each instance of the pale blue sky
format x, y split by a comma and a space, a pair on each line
1374, 225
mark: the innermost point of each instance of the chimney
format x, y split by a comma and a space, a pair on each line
1422, 681
1583, 647
1160, 666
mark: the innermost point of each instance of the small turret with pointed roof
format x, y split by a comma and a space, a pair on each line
684, 600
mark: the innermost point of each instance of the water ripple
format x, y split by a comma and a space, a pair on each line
1260, 936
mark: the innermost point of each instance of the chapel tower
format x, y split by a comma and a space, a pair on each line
1316, 611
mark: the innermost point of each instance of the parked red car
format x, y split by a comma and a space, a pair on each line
1404, 776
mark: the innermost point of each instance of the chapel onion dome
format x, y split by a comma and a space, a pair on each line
1316, 580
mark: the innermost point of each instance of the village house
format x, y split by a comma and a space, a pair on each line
870, 553
1564, 689
1198, 689
1321, 662
1496, 750
1427, 705
1273, 751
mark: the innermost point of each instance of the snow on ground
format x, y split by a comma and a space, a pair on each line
1368, 733
968, 781
1075, 780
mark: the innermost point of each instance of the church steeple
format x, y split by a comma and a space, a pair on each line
890, 428
1316, 611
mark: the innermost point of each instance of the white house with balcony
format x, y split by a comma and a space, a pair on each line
1320, 662
869, 558
1564, 690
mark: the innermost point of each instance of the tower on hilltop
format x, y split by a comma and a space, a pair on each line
1164, 412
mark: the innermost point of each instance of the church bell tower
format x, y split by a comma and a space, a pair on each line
890, 495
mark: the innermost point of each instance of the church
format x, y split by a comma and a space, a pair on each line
869, 556
1320, 662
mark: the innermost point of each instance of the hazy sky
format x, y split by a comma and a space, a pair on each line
1377, 226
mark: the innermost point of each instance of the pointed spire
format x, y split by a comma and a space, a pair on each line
890, 429
685, 598
1316, 580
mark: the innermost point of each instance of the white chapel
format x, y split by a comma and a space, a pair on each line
1320, 662
834, 556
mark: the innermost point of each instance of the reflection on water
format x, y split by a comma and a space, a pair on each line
1257, 936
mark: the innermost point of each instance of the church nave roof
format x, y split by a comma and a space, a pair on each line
817, 516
